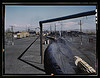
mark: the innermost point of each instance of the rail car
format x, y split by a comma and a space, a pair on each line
55, 60
58, 59
22, 35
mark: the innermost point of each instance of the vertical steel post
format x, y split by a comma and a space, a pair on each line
41, 47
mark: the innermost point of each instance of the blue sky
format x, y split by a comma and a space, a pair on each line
29, 16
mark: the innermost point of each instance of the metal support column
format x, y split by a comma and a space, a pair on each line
41, 47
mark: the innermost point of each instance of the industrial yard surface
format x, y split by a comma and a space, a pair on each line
30, 59
30, 62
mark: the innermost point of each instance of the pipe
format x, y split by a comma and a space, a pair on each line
70, 16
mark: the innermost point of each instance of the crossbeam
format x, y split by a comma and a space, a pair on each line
70, 16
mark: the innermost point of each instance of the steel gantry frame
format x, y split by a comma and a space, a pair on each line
59, 19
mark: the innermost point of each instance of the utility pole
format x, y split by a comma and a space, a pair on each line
26, 28
81, 30
12, 35
55, 30
55, 27
61, 29
50, 28
35, 30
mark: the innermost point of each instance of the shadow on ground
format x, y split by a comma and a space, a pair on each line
26, 61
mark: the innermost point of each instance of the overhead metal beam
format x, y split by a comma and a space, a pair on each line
58, 19
70, 16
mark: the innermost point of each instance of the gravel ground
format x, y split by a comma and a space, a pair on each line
30, 62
